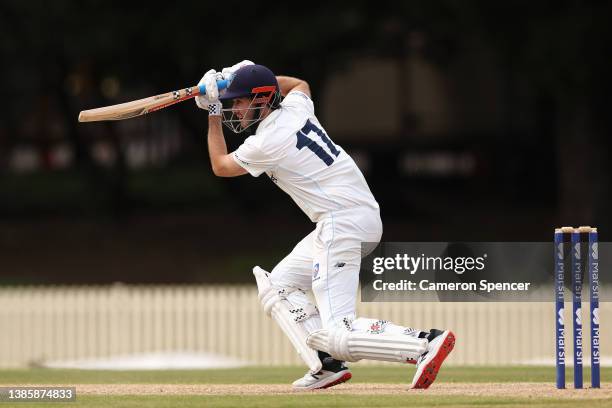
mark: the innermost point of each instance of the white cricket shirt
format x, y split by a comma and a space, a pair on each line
293, 149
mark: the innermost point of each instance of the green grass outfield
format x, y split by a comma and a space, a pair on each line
284, 375
312, 401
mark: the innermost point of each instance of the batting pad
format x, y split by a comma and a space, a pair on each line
289, 317
356, 345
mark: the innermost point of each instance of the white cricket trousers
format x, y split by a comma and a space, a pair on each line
328, 261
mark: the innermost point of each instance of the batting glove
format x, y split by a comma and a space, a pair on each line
209, 80
229, 72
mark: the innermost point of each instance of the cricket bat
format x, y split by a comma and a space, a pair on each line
141, 107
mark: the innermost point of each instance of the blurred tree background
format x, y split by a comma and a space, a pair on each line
135, 201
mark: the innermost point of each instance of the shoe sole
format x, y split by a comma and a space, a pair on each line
430, 371
345, 377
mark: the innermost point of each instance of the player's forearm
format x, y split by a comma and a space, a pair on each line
288, 84
217, 149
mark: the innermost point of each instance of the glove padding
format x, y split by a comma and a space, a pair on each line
209, 80
229, 72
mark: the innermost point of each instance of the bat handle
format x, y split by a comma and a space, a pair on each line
222, 84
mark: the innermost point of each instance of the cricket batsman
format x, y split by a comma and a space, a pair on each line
290, 145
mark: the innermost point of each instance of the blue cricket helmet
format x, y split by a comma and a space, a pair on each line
250, 80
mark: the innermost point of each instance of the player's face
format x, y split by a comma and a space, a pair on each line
241, 109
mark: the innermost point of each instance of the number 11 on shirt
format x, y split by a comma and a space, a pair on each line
304, 141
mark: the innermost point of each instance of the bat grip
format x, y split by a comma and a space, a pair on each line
222, 84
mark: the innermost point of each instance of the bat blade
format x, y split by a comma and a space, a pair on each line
143, 106
139, 107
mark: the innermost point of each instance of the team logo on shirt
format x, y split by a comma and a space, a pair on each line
273, 178
315, 276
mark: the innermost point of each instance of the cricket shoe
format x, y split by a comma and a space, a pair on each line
440, 345
334, 372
